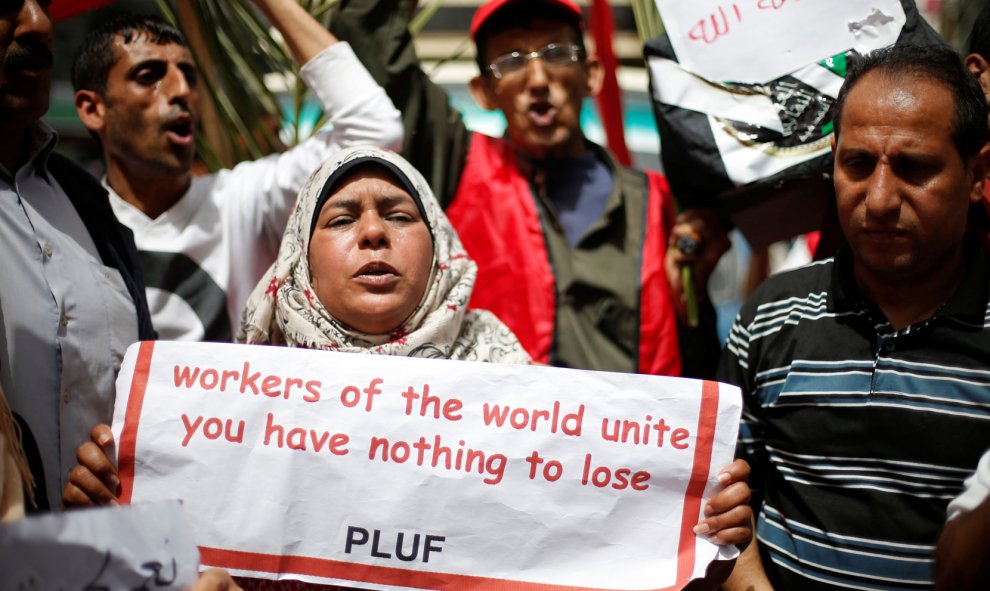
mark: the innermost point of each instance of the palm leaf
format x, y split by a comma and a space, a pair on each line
648, 22
240, 58
426, 11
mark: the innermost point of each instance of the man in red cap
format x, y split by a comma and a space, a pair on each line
571, 247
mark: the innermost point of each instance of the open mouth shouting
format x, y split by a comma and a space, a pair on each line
377, 274
542, 113
180, 130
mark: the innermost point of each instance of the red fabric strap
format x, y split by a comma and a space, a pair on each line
495, 215
659, 350
496, 218
610, 97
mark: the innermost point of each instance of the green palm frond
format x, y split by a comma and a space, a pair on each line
648, 22
426, 11
250, 79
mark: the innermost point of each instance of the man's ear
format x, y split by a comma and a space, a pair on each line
596, 75
979, 67
979, 167
91, 109
483, 93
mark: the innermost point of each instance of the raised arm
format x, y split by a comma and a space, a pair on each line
302, 33
359, 113
356, 106
436, 140
697, 241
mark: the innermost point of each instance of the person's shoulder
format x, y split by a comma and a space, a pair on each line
223, 184
810, 282
629, 180
86, 193
74, 176
606, 157
631, 177
801, 280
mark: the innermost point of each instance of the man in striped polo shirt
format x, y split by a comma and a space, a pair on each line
866, 377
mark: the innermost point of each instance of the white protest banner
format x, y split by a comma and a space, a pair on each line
761, 40
145, 546
395, 472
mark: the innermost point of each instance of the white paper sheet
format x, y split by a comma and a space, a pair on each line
145, 546
330, 468
760, 40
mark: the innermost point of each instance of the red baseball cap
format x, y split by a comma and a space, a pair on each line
63, 9
486, 10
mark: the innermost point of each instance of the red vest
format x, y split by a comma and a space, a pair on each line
495, 214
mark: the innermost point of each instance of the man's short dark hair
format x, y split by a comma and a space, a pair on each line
96, 56
930, 62
979, 37
522, 14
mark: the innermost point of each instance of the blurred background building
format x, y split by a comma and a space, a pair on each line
448, 55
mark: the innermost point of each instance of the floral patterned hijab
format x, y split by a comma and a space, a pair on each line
284, 309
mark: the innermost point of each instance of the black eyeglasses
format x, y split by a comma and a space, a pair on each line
553, 55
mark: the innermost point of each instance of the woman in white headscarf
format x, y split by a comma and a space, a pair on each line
369, 263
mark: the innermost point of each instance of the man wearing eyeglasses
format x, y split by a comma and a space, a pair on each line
572, 248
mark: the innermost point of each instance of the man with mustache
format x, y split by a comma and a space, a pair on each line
864, 376
72, 295
205, 241
572, 249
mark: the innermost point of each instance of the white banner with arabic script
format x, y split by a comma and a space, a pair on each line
760, 40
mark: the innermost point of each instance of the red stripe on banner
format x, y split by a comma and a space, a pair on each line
63, 9
703, 443
383, 575
128, 435
610, 98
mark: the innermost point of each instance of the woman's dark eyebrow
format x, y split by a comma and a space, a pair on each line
390, 200
342, 202
350, 202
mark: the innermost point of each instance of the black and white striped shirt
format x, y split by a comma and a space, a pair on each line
858, 434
